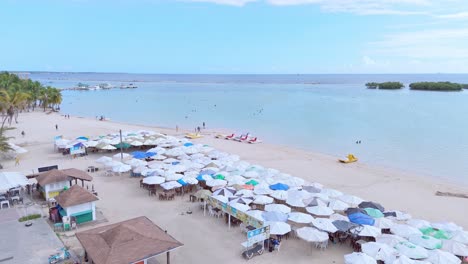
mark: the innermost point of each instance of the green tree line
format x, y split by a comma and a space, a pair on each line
17, 95
385, 85
436, 86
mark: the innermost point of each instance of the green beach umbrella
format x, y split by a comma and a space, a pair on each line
424, 241
374, 212
252, 182
122, 145
439, 234
219, 177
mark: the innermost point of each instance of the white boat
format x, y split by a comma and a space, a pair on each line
128, 86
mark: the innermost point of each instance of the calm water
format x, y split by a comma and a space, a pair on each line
424, 132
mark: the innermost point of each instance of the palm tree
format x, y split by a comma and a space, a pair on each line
4, 146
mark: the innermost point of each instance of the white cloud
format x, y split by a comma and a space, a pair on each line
459, 15
226, 2
368, 60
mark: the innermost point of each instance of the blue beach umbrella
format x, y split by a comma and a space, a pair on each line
279, 186
188, 144
139, 154
150, 154
361, 219
207, 172
82, 138
182, 182
175, 162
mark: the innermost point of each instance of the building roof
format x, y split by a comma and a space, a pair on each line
53, 176
74, 196
126, 242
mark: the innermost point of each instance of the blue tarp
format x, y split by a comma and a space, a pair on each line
182, 182
361, 219
188, 144
279, 186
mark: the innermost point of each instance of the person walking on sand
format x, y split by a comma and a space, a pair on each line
56, 127
203, 125
16, 161
22, 133
176, 128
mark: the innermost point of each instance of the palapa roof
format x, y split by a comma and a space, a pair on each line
74, 196
126, 242
62, 175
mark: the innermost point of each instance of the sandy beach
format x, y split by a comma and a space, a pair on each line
207, 239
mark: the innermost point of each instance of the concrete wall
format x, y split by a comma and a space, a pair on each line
81, 208
55, 187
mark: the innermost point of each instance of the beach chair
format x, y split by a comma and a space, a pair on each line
242, 138
254, 140
230, 136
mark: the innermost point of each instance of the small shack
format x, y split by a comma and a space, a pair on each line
77, 202
52, 182
131, 241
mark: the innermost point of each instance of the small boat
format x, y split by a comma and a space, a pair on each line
105, 86
193, 136
82, 86
128, 86
350, 159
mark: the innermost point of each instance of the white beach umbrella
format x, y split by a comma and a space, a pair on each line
121, 168
278, 228
149, 172
170, 176
263, 199
159, 157
154, 180
331, 193
320, 210
334, 217
460, 236
338, 205
139, 169
367, 231
104, 159
135, 162
427, 242
261, 189
108, 147
404, 260
300, 218
240, 207
240, 199
246, 193
359, 258
455, 248
350, 199
447, 226
404, 230
324, 225
411, 250
278, 208
125, 156
113, 163
190, 180
251, 174
279, 195
228, 192
216, 182
170, 185
389, 239
257, 214
136, 143
311, 234
380, 251
442, 257
92, 143
221, 198
401, 216
418, 223
383, 223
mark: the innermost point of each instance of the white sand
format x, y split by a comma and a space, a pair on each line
208, 240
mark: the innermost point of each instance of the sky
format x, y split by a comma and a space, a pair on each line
235, 36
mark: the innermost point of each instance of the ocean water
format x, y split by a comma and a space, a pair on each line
422, 132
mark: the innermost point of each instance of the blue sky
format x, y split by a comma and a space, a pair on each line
235, 36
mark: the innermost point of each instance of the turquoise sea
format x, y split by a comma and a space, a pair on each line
422, 132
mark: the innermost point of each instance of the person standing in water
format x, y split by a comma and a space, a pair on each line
56, 127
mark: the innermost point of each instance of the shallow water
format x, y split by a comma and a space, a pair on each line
423, 132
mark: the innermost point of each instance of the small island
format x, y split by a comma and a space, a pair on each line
385, 85
437, 86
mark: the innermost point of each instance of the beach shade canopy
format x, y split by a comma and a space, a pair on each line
311, 189
108, 147
439, 234
344, 226
104, 159
122, 145
359, 258
331, 193
213, 183
252, 182
405, 260
367, 231
404, 230
460, 236
208, 172
361, 219
398, 215
228, 192
389, 239
442, 257
353, 210
203, 194
380, 251
241, 200
189, 180
204, 177
279, 195
324, 225
338, 205
257, 214
411, 250
136, 162
455, 248
375, 213
372, 205
263, 199
262, 190
153, 180
350, 199
447, 226
240, 207
424, 241
336, 216
125, 156
278, 228
279, 187
277, 208
246, 193
139, 155
121, 168
275, 216
182, 182
383, 223
314, 201
171, 176
311, 234
320, 210
418, 223
300, 218
170, 185
219, 177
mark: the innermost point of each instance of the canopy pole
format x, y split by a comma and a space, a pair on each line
229, 221
121, 145
168, 255
204, 207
